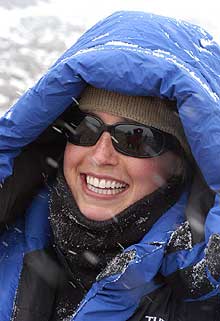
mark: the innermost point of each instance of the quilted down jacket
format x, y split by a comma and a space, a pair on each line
134, 53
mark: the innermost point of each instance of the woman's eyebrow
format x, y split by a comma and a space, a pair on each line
123, 119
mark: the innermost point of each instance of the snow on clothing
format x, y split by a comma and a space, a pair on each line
133, 53
92, 250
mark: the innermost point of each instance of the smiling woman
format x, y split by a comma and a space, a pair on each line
125, 226
108, 171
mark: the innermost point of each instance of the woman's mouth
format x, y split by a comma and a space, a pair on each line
104, 186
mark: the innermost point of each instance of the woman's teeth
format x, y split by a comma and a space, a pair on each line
105, 191
103, 186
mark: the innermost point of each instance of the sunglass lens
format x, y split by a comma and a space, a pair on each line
86, 133
138, 141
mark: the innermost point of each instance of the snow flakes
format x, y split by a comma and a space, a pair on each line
72, 252
197, 280
18, 230
121, 246
142, 219
195, 77
91, 257
206, 42
83, 51
8, 114
118, 264
50, 161
197, 276
101, 36
91, 235
72, 284
75, 101
166, 55
57, 129
213, 255
181, 239
191, 54
61, 312
120, 43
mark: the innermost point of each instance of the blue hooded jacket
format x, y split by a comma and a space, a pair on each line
133, 53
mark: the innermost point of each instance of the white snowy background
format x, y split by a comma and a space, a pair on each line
33, 33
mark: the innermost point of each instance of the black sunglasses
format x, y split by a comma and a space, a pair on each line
129, 138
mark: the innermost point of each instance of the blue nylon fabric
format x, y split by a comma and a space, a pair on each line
11, 258
18, 240
138, 54
182, 259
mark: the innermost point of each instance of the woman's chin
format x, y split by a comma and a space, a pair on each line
98, 214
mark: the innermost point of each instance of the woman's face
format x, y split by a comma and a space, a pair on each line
104, 182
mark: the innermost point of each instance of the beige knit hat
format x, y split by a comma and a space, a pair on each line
152, 111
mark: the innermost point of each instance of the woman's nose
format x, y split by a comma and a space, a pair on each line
103, 152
